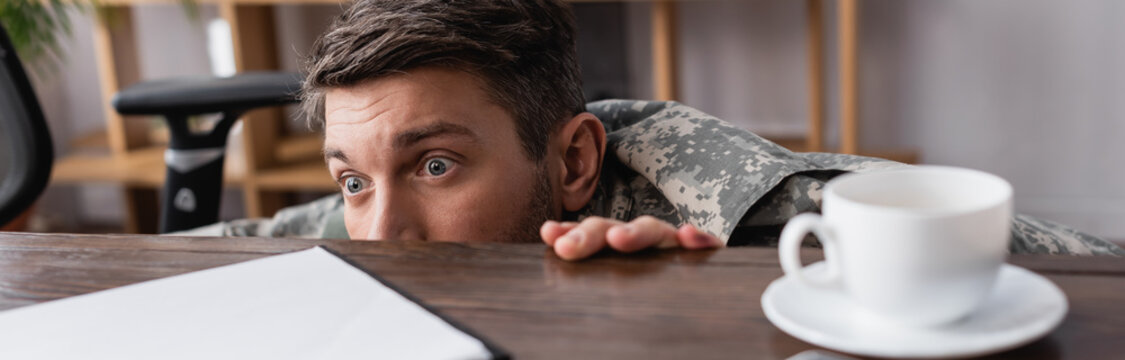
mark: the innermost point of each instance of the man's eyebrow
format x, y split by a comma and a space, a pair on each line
413, 136
330, 153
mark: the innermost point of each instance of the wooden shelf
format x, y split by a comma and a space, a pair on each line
138, 168
276, 163
96, 140
309, 175
300, 148
301, 167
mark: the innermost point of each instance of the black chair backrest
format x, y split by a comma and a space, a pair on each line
26, 154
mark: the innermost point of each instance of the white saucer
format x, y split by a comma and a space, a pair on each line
1023, 307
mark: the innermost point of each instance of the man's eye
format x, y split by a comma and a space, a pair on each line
437, 166
353, 185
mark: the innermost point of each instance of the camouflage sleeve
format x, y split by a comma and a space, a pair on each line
684, 166
1037, 236
802, 193
317, 219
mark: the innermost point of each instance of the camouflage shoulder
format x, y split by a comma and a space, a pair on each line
617, 114
308, 220
233, 228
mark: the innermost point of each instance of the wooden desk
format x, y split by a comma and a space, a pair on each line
660, 304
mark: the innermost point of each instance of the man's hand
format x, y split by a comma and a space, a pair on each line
573, 241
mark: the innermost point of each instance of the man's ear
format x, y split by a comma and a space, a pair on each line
581, 144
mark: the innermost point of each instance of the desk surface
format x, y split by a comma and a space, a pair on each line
659, 304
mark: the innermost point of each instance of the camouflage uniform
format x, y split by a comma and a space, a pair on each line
322, 218
683, 166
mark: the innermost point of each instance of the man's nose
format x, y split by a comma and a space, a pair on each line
393, 219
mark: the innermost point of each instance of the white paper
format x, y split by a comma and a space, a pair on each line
303, 305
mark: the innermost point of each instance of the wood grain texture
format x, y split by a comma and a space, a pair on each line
664, 65
848, 39
652, 305
814, 38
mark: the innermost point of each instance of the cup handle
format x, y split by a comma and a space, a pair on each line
790, 245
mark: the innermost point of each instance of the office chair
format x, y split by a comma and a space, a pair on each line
26, 153
194, 160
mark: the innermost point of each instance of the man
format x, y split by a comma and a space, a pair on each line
465, 121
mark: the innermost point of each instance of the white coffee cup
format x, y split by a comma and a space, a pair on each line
918, 246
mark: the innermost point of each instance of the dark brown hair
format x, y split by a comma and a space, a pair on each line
522, 49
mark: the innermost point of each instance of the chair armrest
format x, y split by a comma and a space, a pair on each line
201, 95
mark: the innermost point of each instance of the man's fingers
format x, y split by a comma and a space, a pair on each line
552, 230
583, 240
643, 232
692, 238
573, 241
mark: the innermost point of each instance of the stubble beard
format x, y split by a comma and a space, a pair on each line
535, 212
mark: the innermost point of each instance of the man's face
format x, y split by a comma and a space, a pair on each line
425, 155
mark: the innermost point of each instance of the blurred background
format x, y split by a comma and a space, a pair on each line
1026, 89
